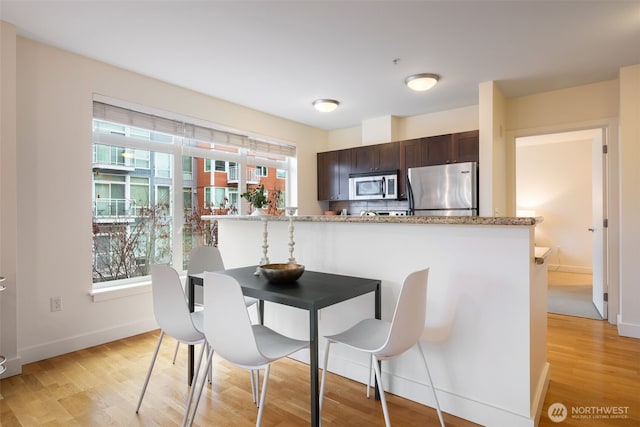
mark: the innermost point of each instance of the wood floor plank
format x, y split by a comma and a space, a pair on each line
591, 366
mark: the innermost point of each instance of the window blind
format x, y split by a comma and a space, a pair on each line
125, 116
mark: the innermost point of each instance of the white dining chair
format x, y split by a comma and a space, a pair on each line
384, 340
230, 333
172, 314
208, 258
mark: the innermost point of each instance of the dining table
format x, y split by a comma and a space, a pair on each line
312, 291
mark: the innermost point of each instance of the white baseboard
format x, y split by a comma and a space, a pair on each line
628, 329
570, 268
90, 339
468, 408
540, 393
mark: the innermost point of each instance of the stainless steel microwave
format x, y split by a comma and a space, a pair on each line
379, 186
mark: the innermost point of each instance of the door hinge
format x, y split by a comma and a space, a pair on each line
605, 149
606, 297
605, 222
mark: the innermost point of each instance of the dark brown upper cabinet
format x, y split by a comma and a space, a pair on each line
334, 167
412, 153
466, 147
333, 175
436, 150
441, 149
376, 158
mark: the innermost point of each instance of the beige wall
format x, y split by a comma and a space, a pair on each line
554, 179
493, 163
344, 138
54, 108
557, 108
8, 199
591, 106
629, 319
439, 123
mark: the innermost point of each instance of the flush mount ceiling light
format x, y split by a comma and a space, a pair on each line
421, 82
325, 105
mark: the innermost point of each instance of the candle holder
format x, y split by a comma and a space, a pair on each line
265, 246
291, 212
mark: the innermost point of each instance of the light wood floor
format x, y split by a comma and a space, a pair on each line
590, 366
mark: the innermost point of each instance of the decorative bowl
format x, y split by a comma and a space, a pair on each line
282, 273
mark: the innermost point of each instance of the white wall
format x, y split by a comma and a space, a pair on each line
486, 327
54, 110
554, 179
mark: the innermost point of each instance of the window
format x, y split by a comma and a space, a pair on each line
144, 178
163, 165
131, 225
112, 156
221, 166
216, 197
187, 168
261, 171
142, 159
109, 199
139, 194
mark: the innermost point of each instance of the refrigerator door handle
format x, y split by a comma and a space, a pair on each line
410, 196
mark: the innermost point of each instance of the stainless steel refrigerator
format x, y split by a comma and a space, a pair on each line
444, 190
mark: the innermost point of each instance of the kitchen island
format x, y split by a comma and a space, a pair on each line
485, 333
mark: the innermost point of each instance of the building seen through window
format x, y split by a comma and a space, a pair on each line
139, 218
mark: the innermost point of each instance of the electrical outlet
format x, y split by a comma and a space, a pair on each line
56, 304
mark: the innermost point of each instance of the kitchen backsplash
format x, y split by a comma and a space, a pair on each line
356, 207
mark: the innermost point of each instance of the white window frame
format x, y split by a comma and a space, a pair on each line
179, 147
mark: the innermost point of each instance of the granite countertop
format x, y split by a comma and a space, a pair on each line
454, 220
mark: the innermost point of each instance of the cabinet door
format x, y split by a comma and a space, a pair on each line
325, 174
361, 160
413, 154
376, 158
342, 175
333, 175
387, 157
466, 146
438, 150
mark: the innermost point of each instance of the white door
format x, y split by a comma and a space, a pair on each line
598, 230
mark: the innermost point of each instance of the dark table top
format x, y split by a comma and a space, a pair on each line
313, 290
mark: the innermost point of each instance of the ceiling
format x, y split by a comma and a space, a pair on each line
278, 56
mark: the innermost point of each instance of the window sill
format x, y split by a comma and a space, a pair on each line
121, 291
125, 290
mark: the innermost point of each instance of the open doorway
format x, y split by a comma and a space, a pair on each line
560, 179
